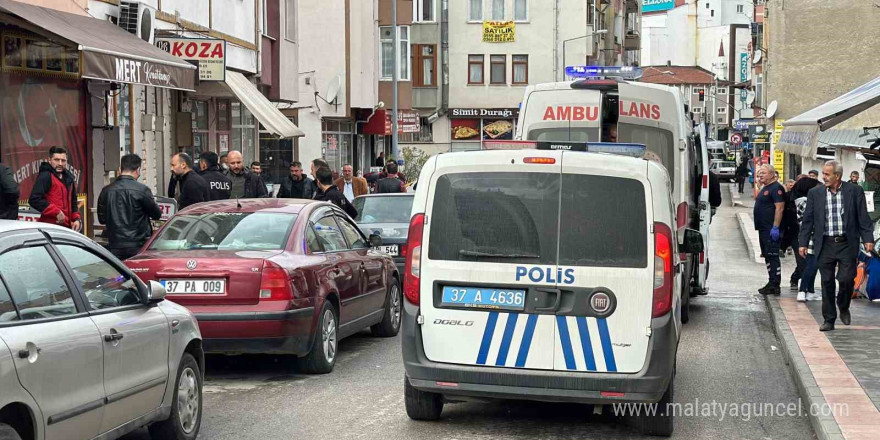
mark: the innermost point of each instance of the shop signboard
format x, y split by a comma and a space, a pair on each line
657, 5
127, 70
499, 32
779, 163
477, 124
407, 122
209, 53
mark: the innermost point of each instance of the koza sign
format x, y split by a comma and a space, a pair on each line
209, 52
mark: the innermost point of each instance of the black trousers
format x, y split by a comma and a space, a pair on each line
839, 256
770, 250
125, 253
801, 262
741, 181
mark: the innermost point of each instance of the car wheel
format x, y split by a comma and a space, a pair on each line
390, 324
186, 408
686, 306
322, 357
657, 422
421, 405
8, 433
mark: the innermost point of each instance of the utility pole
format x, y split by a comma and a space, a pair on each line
394, 77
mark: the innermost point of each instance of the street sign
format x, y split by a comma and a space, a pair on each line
736, 138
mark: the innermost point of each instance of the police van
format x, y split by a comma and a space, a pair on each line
607, 104
545, 272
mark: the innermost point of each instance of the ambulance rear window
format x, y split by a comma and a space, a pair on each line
495, 217
564, 134
656, 139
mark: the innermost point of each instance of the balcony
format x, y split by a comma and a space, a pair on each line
632, 6
633, 40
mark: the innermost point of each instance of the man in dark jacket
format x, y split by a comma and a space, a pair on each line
9, 194
245, 185
297, 186
328, 192
391, 183
219, 186
54, 193
125, 208
192, 187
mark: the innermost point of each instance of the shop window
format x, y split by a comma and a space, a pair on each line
520, 69
200, 127
424, 65
386, 53
123, 117
475, 69
336, 141
475, 10
498, 9
498, 69
425, 134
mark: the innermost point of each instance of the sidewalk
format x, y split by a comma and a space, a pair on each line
837, 372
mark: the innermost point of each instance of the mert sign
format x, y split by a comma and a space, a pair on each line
210, 53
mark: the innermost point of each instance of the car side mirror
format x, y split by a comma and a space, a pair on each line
693, 242
156, 293
375, 240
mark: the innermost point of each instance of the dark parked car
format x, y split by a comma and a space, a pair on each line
274, 276
386, 215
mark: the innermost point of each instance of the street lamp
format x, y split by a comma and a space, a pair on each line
600, 32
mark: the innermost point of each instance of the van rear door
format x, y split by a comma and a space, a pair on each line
606, 244
489, 274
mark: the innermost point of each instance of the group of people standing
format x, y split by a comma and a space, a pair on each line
825, 224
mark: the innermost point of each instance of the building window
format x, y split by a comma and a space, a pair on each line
387, 52
521, 10
698, 110
290, 20
498, 9
759, 90
739, 9
707, 5
520, 69
712, 13
498, 69
475, 69
721, 91
265, 21
697, 90
722, 110
424, 65
423, 11
475, 10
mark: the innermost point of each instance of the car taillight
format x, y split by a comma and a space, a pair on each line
275, 283
662, 270
414, 259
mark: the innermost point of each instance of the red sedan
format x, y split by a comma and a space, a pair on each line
274, 276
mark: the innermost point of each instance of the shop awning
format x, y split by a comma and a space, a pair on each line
109, 53
272, 119
800, 134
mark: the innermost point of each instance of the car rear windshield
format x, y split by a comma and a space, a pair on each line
515, 218
237, 231
383, 209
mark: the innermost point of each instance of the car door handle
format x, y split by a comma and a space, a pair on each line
556, 303
113, 336
24, 354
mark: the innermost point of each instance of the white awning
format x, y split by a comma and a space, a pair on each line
800, 134
265, 111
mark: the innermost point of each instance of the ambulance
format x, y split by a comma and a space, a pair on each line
607, 104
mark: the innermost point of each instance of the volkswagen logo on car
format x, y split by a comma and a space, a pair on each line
192, 264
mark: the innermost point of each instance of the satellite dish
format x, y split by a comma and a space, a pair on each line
750, 98
757, 58
771, 109
333, 88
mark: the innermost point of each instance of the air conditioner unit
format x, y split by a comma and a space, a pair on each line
139, 19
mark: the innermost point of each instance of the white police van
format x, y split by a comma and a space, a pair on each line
608, 105
543, 274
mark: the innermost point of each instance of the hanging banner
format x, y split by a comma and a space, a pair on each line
210, 53
657, 5
499, 32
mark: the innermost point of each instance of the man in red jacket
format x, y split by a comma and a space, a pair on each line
54, 193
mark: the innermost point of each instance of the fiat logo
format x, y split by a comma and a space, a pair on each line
191, 264
601, 302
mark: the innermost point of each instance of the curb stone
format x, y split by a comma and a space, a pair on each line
825, 427
750, 235
734, 195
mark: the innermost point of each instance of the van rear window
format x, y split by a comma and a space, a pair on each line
515, 218
604, 222
495, 217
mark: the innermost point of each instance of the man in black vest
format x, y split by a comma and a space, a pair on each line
219, 185
391, 183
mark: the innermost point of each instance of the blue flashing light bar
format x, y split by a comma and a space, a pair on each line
625, 72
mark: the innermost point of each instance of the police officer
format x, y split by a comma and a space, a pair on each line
769, 207
219, 185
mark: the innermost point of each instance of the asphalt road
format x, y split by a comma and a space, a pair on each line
728, 354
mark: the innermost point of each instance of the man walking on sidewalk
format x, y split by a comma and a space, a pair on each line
125, 207
769, 207
836, 217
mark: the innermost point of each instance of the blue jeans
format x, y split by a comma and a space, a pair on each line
808, 278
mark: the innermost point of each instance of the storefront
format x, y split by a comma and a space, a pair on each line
69, 80
375, 135
472, 126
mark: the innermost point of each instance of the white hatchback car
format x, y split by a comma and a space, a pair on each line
86, 348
